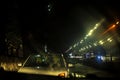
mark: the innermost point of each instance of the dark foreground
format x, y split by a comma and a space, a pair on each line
5, 75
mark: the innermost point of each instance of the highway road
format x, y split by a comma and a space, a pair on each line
81, 70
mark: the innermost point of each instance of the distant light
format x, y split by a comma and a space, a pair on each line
84, 48
38, 67
19, 64
102, 58
37, 55
90, 33
117, 22
77, 75
70, 47
99, 57
70, 54
109, 39
81, 49
43, 60
85, 38
81, 41
74, 45
113, 26
95, 44
101, 42
49, 9
48, 6
95, 27
90, 46
96, 24
87, 47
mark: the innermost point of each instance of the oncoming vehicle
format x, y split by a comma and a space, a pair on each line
50, 64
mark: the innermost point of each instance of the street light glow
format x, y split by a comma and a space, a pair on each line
90, 33
90, 46
75, 45
117, 22
101, 42
109, 39
85, 38
95, 44
70, 47
81, 41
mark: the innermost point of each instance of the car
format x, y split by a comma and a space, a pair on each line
50, 64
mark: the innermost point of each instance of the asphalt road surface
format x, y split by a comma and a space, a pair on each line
80, 69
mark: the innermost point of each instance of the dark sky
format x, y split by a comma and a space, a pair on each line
64, 25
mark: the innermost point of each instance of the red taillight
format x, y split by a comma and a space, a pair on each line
61, 75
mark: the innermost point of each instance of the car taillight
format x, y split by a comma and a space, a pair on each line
61, 75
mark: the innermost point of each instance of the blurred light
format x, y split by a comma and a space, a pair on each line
113, 26
83, 76
76, 75
90, 33
101, 42
70, 65
38, 67
70, 47
87, 47
110, 28
81, 48
95, 44
72, 74
85, 38
92, 54
90, 46
19, 64
102, 58
70, 54
109, 39
95, 27
117, 22
43, 60
48, 6
81, 41
96, 24
37, 55
68, 70
74, 45
48, 9
99, 57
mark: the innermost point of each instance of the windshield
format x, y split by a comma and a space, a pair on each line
44, 61
82, 37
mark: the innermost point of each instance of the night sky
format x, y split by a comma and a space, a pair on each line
63, 26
